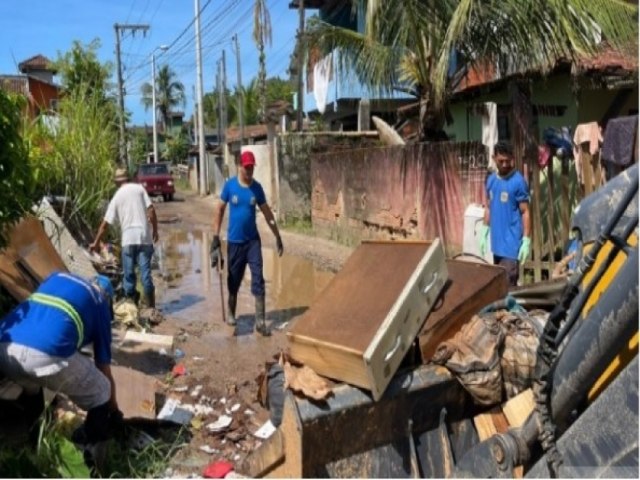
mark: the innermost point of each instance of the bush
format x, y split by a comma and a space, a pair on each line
15, 174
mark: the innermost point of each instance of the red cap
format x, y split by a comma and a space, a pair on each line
247, 159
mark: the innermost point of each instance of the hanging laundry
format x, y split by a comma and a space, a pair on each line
321, 78
586, 133
490, 129
544, 153
619, 140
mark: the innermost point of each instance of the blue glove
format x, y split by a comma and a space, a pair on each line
525, 249
484, 238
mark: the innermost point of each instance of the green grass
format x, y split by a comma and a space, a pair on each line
55, 456
298, 225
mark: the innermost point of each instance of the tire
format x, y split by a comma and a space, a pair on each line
170, 197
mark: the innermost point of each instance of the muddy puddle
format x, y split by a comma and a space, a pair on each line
192, 289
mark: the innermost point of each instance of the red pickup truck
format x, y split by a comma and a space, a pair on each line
156, 179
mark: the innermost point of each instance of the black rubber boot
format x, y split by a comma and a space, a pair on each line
150, 299
261, 323
231, 317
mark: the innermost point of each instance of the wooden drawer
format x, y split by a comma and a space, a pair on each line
365, 320
471, 286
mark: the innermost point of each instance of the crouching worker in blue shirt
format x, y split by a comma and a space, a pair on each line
40, 342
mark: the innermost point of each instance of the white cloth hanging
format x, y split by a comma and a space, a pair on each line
321, 78
490, 130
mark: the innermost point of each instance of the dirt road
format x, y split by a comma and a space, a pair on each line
223, 360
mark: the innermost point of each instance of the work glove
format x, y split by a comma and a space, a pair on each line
525, 249
484, 238
216, 253
279, 246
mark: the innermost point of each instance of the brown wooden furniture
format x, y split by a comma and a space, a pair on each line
471, 286
362, 325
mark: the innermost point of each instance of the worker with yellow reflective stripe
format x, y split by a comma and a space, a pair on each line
40, 342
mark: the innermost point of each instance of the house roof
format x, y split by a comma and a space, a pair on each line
37, 62
607, 60
250, 131
18, 84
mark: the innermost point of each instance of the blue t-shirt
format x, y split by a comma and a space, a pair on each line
52, 331
242, 209
505, 196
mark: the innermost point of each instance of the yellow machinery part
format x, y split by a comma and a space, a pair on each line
623, 358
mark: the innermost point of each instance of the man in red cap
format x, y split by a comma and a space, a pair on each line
243, 194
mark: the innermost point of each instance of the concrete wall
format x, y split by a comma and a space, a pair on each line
294, 156
413, 192
263, 172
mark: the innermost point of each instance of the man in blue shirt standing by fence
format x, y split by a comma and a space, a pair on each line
506, 217
244, 194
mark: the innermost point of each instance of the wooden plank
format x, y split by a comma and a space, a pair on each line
267, 457
132, 337
537, 225
551, 214
518, 408
291, 431
135, 392
490, 423
28, 259
587, 169
565, 202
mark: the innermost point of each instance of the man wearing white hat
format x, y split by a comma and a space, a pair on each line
132, 209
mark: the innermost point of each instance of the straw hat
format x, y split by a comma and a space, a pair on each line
121, 175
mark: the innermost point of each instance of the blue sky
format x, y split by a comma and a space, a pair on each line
49, 27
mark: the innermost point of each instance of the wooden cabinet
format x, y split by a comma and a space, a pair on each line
470, 287
365, 320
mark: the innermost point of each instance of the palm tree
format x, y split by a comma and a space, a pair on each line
169, 93
262, 36
408, 45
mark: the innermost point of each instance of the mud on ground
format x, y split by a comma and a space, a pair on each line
223, 362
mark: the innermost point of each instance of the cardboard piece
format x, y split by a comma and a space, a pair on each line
29, 258
135, 392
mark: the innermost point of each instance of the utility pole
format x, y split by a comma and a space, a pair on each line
220, 95
240, 96
300, 65
225, 115
122, 142
201, 143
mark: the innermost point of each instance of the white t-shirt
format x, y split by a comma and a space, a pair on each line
128, 207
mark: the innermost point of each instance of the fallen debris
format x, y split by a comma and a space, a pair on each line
222, 423
305, 381
173, 411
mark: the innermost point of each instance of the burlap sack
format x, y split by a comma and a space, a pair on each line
474, 356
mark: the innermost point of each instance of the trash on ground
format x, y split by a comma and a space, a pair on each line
208, 449
173, 411
217, 469
223, 422
179, 370
265, 431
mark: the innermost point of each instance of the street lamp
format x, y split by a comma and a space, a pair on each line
164, 48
